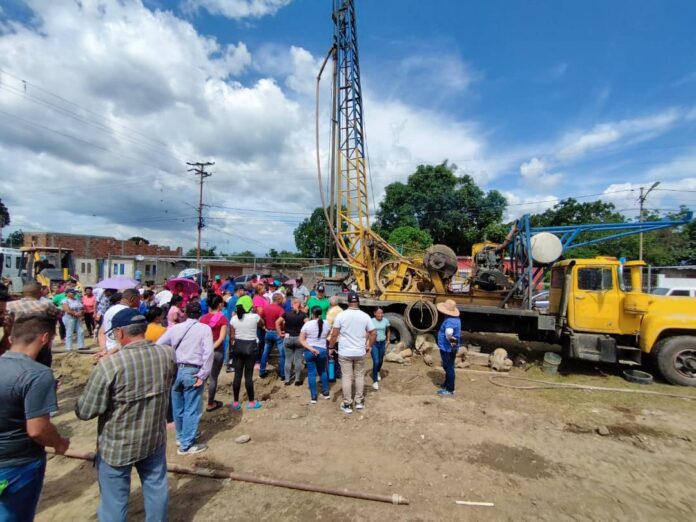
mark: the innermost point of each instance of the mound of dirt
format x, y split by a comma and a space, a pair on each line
73, 369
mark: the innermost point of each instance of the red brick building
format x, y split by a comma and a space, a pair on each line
97, 246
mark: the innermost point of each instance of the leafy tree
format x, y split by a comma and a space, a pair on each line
139, 240
4, 215
453, 209
312, 237
246, 256
15, 239
205, 252
408, 239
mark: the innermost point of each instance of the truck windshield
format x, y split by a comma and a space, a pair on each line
594, 279
660, 291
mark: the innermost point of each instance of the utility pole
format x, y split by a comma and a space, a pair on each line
641, 200
198, 169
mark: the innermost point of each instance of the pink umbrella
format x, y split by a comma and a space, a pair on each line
290, 282
190, 287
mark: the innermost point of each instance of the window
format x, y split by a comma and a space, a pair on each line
594, 279
8, 261
18, 263
154, 270
82, 268
123, 268
147, 270
683, 293
89, 268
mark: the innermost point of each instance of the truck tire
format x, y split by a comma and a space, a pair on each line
676, 359
399, 332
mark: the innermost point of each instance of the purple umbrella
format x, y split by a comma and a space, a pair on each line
118, 283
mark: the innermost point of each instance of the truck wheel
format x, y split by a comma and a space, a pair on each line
398, 331
676, 359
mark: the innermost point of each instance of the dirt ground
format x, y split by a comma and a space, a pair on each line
535, 454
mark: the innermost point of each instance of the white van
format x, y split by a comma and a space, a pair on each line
675, 292
11, 267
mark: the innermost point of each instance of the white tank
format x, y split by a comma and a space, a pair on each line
546, 248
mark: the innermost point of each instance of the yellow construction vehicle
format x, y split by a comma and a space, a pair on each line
593, 314
49, 266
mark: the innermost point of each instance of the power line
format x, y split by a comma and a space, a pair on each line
199, 170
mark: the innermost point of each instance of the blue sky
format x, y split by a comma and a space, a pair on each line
541, 100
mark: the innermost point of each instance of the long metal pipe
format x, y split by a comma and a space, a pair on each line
266, 481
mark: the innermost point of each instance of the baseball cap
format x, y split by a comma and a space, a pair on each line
245, 303
320, 288
127, 317
276, 283
353, 297
70, 291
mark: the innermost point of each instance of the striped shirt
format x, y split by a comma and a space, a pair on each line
129, 392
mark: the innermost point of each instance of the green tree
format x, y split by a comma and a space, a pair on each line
139, 240
246, 256
15, 239
453, 209
312, 237
4, 215
408, 239
205, 252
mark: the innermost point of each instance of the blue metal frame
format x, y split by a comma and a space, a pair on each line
520, 248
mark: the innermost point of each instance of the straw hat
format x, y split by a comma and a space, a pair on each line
449, 307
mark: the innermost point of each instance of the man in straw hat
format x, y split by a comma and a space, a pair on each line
448, 338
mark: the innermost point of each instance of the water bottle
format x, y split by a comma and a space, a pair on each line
332, 374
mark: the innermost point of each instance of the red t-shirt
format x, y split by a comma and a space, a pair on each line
216, 321
270, 314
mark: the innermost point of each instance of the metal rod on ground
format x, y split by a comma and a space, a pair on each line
245, 477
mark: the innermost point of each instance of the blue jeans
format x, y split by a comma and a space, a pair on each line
317, 364
19, 499
114, 488
377, 353
272, 338
448, 365
187, 406
73, 324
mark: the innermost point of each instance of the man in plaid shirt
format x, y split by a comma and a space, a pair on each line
129, 392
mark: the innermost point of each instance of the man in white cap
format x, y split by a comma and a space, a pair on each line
448, 339
357, 337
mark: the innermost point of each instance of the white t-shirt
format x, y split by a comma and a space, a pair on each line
111, 344
245, 329
316, 338
354, 325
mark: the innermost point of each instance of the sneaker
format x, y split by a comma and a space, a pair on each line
289, 381
298, 383
359, 405
445, 393
253, 405
312, 401
375, 385
326, 397
229, 369
198, 436
196, 448
345, 407
236, 406
263, 375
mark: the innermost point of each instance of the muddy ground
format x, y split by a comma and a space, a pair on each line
536, 454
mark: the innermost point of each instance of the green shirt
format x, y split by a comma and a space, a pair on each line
58, 299
322, 303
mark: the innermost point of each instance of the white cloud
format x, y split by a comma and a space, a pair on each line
534, 172
577, 143
237, 8
531, 203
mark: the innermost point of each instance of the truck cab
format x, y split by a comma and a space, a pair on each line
604, 316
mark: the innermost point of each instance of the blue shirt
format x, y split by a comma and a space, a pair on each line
142, 308
456, 325
204, 306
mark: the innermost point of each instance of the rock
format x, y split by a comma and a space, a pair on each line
462, 364
406, 353
499, 360
520, 361
424, 339
428, 347
462, 351
242, 439
398, 347
389, 483
294, 416
394, 358
603, 431
428, 359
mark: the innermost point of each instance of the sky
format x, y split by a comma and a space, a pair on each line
102, 103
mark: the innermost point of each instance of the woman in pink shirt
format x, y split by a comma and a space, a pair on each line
175, 314
259, 301
89, 303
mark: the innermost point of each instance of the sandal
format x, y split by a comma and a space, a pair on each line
236, 406
253, 405
212, 407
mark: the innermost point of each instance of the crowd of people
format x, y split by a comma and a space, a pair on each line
157, 351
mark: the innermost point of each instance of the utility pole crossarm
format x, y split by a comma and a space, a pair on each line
641, 200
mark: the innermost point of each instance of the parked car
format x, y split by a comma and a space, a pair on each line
675, 292
540, 300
